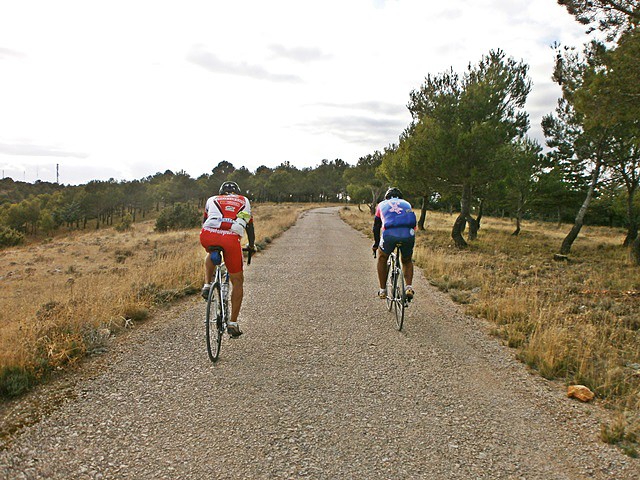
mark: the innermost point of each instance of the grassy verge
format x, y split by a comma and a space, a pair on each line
64, 299
577, 321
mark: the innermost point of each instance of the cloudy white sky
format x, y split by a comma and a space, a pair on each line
125, 89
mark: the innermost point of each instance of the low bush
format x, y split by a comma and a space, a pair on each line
177, 217
10, 237
125, 223
15, 380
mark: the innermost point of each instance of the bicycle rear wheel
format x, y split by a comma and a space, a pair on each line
390, 280
213, 322
399, 297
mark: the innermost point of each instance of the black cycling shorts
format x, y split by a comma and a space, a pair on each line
389, 241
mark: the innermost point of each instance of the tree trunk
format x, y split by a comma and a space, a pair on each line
474, 223
632, 233
474, 226
517, 230
632, 230
579, 221
518, 216
480, 213
456, 232
635, 251
458, 225
423, 213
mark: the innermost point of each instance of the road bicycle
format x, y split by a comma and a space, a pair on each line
396, 297
218, 313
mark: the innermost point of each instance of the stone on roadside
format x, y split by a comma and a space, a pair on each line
580, 392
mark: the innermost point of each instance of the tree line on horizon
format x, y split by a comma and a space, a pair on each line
465, 151
44, 207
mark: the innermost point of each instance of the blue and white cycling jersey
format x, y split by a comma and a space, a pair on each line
396, 214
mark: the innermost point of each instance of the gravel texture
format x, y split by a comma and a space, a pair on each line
320, 386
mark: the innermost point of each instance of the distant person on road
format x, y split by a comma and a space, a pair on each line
226, 217
394, 223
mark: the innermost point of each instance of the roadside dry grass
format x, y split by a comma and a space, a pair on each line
63, 299
578, 321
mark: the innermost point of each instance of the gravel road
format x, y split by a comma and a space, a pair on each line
320, 386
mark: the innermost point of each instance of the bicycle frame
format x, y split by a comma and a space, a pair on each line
221, 278
396, 299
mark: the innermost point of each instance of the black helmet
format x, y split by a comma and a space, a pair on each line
393, 192
229, 187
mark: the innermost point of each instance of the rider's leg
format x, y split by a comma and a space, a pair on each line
207, 239
208, 276
208, 269
407, 269
237, 292
383, 268
406, 251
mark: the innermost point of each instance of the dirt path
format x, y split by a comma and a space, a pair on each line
320, 386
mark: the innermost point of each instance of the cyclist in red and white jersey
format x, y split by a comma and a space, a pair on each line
226, 217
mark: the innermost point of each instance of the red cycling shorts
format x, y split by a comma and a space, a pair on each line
230, 243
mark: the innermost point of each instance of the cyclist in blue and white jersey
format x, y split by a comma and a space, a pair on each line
394, 223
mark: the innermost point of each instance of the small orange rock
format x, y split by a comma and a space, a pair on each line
580, 392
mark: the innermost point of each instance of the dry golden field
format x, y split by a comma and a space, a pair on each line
578, 321
63, 298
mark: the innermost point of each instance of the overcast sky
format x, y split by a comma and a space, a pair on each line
125, 89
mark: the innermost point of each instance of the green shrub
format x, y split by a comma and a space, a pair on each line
15, 381
10, 237
125, 223
122, 255
178, 216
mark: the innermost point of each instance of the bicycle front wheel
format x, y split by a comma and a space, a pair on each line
391, 284
213, 322
399, 297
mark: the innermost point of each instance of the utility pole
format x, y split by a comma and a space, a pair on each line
57, 173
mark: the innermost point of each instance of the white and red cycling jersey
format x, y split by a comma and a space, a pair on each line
221, 212
225, 220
